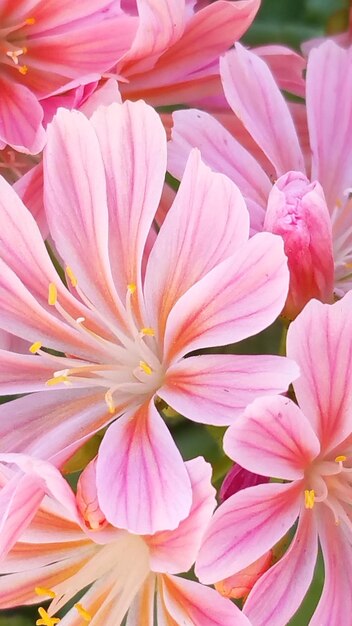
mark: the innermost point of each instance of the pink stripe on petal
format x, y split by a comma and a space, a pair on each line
143, 484
256, 99
22, 374
273, 438
236, 299
245, 527
320, 341
279, 592
215, 389
194, 237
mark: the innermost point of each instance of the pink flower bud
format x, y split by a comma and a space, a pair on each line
87, 500
297, 211
239, 478
239, 585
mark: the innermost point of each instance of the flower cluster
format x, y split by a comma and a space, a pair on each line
126, 294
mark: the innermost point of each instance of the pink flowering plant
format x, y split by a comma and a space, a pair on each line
175, 315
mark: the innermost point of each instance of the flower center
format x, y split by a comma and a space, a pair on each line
130, 367
12, 49
330, 482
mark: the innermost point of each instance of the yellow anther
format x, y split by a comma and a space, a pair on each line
340, 459
56, 380
109, 402
23, 69
131, 288
52, 297
309, 498
46, 619
148, 331
145, 367
83, 613
35, 347
43, 591
30, 21
71, 276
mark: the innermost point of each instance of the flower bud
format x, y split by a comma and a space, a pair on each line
297, 211
87, 500
239, 585
239, 478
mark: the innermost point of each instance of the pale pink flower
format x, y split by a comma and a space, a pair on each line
126, 321
45, 44
56, 560
310, 450
324, 154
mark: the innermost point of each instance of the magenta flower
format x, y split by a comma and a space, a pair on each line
278, 129
310, 450
45, 44
124, 571
126, 322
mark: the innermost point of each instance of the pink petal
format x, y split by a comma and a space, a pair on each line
256, 99
245, 527
194, 238
187, 602
286, 66
23, 373
336, 600
133, 146
142, 607
20, 118
215, 389
320, 341
105, 95
238, 298
76, 206
176, 550
329, 91
287, 582
151, 486
273, 438
223, 153
30, 189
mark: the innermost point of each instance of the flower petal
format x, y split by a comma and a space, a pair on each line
187, 602
236, 299
248, 83
216, 388
194, 238
287, 582
329, 92
273, 438
20, 118
320, 341
151, 487
245, 527
223, 153
174, 551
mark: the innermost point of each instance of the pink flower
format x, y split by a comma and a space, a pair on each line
322, 152
118, 336
310, 450
124, 571
239, 478
45, 44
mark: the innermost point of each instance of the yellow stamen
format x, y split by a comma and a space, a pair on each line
340, 459
56, 380
52, 297
309, 498
148, 331
145, 367
35, 347
109, 402
30, 21
23, 69
72, 277
131, 288
43, 591
46, 620
83, 613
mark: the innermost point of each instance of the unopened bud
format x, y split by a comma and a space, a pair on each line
239, 585
297, 211
239, 478
87, 500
